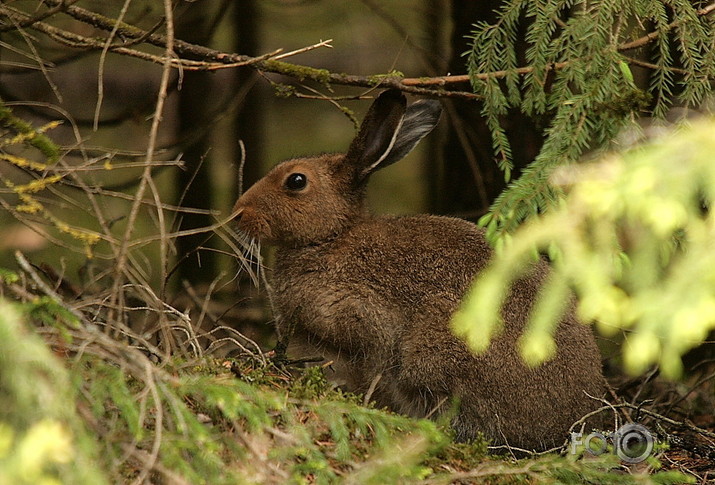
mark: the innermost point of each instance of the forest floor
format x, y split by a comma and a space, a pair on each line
212, 408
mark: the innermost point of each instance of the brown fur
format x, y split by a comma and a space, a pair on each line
376, 295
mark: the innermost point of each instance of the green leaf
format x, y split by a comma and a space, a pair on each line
626, 71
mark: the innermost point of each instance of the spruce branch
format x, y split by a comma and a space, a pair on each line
578, 79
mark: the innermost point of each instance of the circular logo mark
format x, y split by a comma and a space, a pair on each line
633, 443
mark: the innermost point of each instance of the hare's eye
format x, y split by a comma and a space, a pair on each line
296, 181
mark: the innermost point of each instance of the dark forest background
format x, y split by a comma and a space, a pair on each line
208, 113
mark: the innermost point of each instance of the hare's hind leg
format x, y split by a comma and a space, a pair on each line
430, 365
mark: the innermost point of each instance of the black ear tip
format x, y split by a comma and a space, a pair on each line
392, 94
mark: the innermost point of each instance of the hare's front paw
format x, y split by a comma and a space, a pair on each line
278, 355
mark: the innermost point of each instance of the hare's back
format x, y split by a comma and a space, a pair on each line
417, 258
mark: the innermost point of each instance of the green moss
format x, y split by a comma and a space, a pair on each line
8, 277
296, 71
32, 137
351, 114
378, 79
281, 90
310, 384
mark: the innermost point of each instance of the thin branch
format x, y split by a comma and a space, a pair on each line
322, 43
646, 39
27, 267
463, 78
40, 63
241, 166
428, 59
213, 58
102, 60
60, 6
146, 176
153, 135
150, 383
28, 55
126, 31
143, 457
76, 41
649, 65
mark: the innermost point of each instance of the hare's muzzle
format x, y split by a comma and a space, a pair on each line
248, 221
236, 213
241, 218
237, 216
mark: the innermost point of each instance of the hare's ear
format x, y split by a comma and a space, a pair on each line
390, 131
420, 118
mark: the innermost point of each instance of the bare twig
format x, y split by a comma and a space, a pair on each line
60, 6
151, 460
76, 41
103, 59
27, 267
241, 166
699, 383
147, 181
211, 58
144, 458
665, 419
373, 385
146, 177
486, 469
40, 63
322, 43
268, 63
646, 39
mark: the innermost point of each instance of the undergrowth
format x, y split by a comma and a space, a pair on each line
98, 410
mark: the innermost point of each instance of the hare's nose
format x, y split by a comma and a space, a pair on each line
236, 213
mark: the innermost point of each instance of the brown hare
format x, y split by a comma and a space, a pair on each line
375, 295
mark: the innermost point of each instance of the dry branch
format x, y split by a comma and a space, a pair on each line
197, 57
